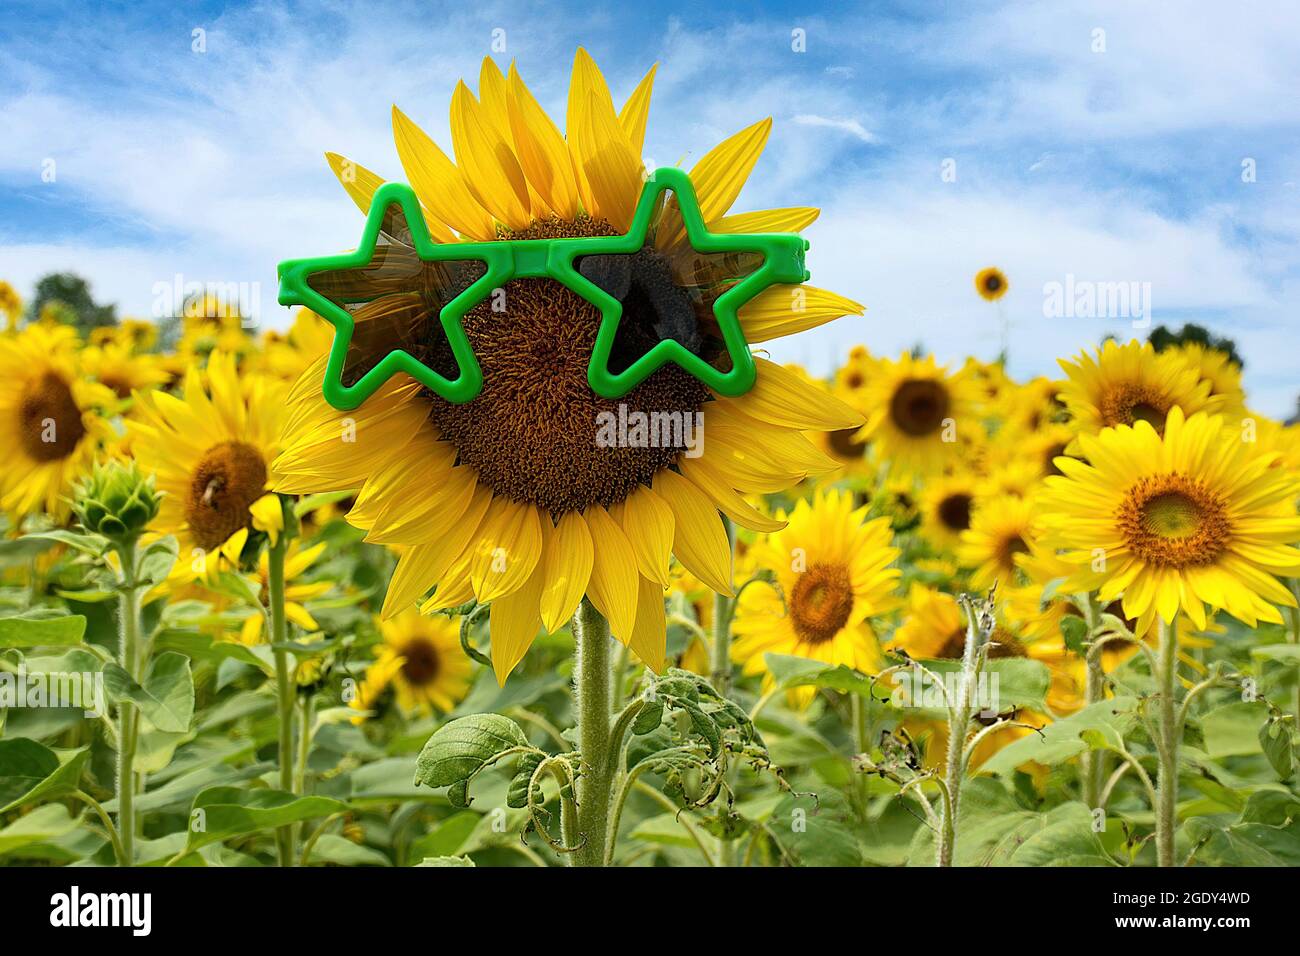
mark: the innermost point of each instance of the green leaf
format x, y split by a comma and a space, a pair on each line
64, 630
461, 748
23, 765
203, 647
22, 550
1075, 631
648, 718
80, 541
167, 697
790, 671
157, 561
63, 778
1065, 838
1003, 683
448, 837
40, 826
332, 848
1233, 729
1275, 741
1266, 834
233, 811
1095, 727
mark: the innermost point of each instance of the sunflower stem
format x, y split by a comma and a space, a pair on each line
1167, 746
1092, 763
128, 716
720, 660
284, 836
592, 693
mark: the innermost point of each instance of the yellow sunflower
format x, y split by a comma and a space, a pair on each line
834, 573
1123, 384
1223, 375
53, 420
946, 507
1194, 518
991, 284
119, 367
918, 414
11, 304
1001, 529
297, 560
508, 498
211, 449
422, 660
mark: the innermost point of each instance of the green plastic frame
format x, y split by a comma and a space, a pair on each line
783, 262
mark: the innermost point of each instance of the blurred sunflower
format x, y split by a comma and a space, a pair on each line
916, 414
834, 572
117, 366
53, 420
1124, 384
1193, 518
934, 627
1221, 373
507, 498
11, 304
991, 284
1001, 529
297, 560
211, 449
421, 660
946, 507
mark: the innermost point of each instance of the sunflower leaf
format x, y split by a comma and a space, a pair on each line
461, 748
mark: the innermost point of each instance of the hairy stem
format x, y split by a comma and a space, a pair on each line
592, 693
1167, 745
128, 716
284, 836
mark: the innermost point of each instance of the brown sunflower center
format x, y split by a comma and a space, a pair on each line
844, 445
954, 511
1008, 548
919, 406
420, 662
49, 419
992, 282
1174, 521
1049, 458
227, 480
1002, 644
820, 602
533, 434
1134, 402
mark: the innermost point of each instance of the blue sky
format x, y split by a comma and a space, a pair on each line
1121, 164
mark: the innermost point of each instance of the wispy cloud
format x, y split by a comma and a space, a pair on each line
850, 126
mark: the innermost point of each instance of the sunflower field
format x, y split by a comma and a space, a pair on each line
518, 548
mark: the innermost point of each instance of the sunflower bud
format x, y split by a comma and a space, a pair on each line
116, 500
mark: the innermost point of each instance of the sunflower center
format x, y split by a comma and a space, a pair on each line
1001, 644
1008, 548
533, 434
821, 602
954, 512
227, 480
1134, 402
49, 419
919, 406
845, 445
421, 663
992, 282
1174, 521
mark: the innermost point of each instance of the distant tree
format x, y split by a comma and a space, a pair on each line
1162, 338
72, 294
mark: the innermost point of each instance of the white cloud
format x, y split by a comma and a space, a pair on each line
850, 126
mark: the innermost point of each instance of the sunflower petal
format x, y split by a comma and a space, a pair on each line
613, 588
636, 111
699, 540
514, 622
786, 309
567, 561
541, 150
492, 173
649, 640
436, 180
508, 548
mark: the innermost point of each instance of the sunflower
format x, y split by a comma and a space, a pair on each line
134, 335
1123, 384
1192, 518
508, 499
211, 450
1001, 529
991, 284
422, 660
287, 355
120, 368
1031, 407
1221, 373
297, 560
934, 628
11, 304
946, 507
833, 574
917, 414
53, 420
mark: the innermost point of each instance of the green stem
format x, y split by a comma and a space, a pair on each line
959, 715
722, 612
104, 818
283, 687
1295, 639
1167, 746
128, 716
592, 690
